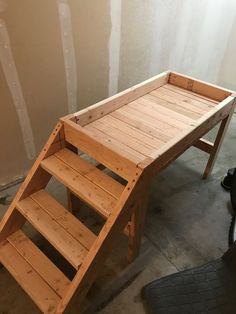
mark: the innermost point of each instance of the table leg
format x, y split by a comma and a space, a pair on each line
74, 203
137, 225
217, 145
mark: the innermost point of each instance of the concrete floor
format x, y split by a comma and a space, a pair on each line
187, 224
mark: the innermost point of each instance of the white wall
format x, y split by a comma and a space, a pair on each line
63, 55
189, 36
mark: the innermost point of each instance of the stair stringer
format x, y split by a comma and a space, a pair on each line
36, 180
93, 262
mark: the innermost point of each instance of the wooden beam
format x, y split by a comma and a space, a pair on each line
104, 153
198, 86
204, 145
136, 225
108, 105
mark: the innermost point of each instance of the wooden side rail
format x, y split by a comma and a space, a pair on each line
198, 86
204, 145
110, 104
105, 154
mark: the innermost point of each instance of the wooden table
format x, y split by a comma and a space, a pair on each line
135, 134
148, 126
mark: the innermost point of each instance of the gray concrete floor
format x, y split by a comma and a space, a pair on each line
187, 224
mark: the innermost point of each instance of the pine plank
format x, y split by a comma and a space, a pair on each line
86, 190
91, 172
165, 127
106, 106
188, 93
70, 248
186, 98
41, 293
64, 218
199, 87
153, 102
152, 109
187, 102
39, 262
176, 106
132, 131
141, 125
123, 137
130, 153
104, 150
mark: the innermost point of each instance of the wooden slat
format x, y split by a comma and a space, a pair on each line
175, 106
89, 171
130, 153
140, 124
64, 218
122, 137
104, 151
39, 262
199, 87
106, 106
132, 131
186, 92
168, 129
71, 249
159, 112
153, 102
171, 150
87, 191
44, 296
180, 100
186, 98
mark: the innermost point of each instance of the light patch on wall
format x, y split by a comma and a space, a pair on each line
201, 37
114, 46
10, 71
214, 35
69, 54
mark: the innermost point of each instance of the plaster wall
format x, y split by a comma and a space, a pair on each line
58, 56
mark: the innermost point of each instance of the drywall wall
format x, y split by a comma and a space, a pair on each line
193, 37
59, 56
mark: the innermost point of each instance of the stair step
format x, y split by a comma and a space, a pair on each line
35, 273
64, 218
85, 180
91, 172
66, 236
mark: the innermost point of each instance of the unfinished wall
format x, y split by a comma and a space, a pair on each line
193, 37
58, 56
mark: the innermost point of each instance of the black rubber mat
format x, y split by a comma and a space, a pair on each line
208, 289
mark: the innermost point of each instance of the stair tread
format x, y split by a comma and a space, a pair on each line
64, 218
41, 264
91, 172
54, 232
34, 272
67, 171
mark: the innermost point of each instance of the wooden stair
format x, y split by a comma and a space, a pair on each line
135, 135
37, 275
84, 180
33, 270
70, 237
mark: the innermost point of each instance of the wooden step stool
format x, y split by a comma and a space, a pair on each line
135, 134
